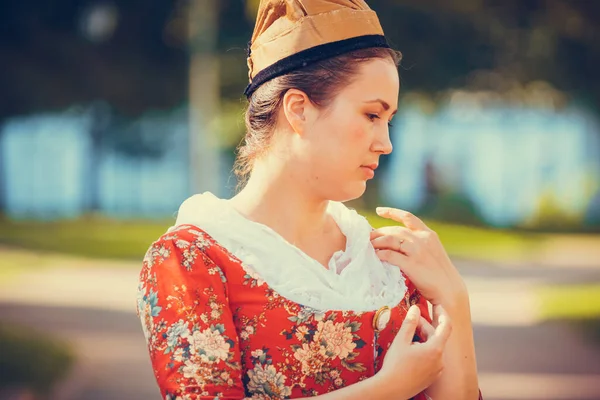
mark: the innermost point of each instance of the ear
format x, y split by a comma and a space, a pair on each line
297, 109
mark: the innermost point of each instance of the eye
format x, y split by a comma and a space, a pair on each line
372, 117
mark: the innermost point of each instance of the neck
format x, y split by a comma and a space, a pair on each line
277, 199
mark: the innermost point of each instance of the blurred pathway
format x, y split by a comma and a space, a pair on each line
93, 307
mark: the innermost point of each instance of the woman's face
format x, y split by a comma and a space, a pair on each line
342, 143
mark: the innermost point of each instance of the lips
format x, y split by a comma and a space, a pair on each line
369, 170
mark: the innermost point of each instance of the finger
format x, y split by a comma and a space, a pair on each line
393, 243
409, 325
393, 230
426, 329
408, 219
393, 257
443, 329
437, 309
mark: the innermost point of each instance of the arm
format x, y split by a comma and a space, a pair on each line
372, 388
459, 378
192, 340
183, 307
408, 368
418, 251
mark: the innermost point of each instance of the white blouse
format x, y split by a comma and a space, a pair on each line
356, 279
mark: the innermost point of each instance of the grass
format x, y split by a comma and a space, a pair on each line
579, 305
101, 237
95, 237
478, 243
570, 302
31, 359
14, 261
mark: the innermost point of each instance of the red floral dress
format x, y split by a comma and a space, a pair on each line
215, 330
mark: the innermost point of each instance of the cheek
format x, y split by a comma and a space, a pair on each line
346, 145
341, 144
357, 130
359, 135
356, 140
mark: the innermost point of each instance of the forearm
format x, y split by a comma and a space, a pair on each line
459, 378
374, 388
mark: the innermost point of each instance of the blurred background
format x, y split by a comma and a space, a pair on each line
113, 112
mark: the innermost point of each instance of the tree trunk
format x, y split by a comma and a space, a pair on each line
204, 165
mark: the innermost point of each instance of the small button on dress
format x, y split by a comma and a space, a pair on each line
382, 318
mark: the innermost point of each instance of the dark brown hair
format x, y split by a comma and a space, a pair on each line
321, 82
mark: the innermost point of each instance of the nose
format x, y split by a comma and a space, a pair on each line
383, 143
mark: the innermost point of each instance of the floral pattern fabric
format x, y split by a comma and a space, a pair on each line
215, 330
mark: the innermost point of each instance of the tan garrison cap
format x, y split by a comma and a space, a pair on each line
290, 34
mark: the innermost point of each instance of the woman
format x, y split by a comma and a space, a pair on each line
282, 291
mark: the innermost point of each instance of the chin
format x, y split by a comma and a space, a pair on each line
348, 192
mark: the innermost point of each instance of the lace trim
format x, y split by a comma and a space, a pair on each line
356, 281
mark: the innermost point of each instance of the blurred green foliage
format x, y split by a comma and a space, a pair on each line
31, 359
551, 216
143, 64
453, 207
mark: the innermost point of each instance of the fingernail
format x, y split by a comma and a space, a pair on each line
381, 210
413, 312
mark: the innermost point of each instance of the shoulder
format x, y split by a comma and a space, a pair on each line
190, 234
184, 242
190, 250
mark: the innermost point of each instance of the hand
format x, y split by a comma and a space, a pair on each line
413, 366
418, 252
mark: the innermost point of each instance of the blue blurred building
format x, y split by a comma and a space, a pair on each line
506, 161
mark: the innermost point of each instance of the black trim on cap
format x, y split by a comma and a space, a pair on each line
312, 55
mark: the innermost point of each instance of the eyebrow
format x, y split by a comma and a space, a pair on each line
385, 105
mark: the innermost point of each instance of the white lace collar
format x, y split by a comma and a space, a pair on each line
356, 279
